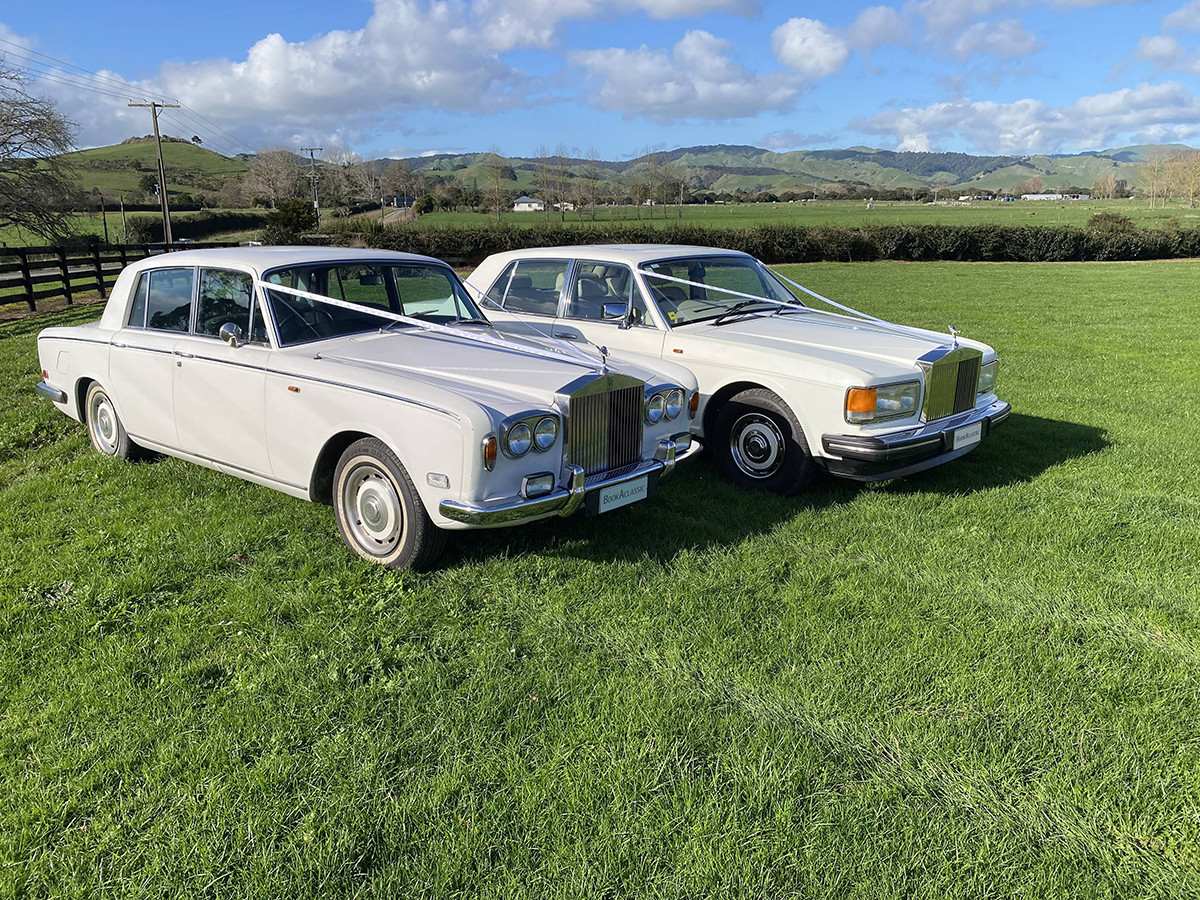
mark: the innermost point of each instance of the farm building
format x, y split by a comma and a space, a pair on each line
529, 204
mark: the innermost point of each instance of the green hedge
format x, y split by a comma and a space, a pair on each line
194, 226
801, 243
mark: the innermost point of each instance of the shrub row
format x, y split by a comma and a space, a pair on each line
194, 226
802, 243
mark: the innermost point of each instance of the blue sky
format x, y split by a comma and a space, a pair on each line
406, 77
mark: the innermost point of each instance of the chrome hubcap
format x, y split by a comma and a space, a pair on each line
372, 509
757, 445
104, 423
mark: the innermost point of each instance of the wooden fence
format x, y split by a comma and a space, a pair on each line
30, 274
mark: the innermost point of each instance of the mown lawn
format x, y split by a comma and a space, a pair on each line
982, 681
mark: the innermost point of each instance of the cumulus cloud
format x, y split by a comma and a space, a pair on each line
695, 80
809, 47
794, 140
1006, 39
1187, 17
877, 25
1147, 112
946, 17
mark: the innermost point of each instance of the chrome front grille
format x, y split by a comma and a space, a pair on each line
604, 424
951, 381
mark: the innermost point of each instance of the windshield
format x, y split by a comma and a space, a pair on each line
422, 291
713, 279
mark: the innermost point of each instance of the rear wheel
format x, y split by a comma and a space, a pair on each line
759, 444
104, 426
379, 513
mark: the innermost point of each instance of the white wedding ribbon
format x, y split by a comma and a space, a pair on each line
567, 350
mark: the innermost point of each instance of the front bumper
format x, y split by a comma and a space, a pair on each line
569, 500
874, 458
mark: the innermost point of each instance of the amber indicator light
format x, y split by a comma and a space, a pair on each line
861, 400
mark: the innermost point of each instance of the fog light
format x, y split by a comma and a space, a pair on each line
437, 480
537, 485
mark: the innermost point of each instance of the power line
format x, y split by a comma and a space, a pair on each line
26, 51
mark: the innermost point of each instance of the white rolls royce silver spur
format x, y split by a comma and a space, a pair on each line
369, 380
786, 388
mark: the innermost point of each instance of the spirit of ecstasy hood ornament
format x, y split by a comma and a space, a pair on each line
954, 335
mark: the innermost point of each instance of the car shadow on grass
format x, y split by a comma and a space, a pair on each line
697, 508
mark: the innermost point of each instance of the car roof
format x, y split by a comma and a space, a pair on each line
261, 259
631, 254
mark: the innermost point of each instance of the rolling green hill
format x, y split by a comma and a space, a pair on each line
117, 169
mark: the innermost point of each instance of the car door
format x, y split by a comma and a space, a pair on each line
218, 388
597, 290
525, 299
141, 359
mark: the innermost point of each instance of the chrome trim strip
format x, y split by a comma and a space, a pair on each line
52, 394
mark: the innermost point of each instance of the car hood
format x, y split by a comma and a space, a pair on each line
843, 343
492, 375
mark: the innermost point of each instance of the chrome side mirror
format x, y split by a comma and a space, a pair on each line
615, 311
231, 334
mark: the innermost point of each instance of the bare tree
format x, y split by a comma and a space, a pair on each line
1154, 177
1032, 185
35, 191
1104, 187
274, 173
1183, 175
493, 170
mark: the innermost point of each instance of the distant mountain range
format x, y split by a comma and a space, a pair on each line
728, 167
720, 167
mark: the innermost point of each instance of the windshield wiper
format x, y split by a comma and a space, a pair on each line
472, 321
790, 308
734, 310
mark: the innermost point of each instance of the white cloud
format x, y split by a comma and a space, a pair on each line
507, 24
947, 17
1147, 112
794, 140
696, 80
877, 25
1006, 39
810, 47
1186, 17
1167, 54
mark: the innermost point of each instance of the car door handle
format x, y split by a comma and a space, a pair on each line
570, 336
185, 355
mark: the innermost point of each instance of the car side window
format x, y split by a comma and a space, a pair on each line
531, 286
597, 284
166, 304
227, 296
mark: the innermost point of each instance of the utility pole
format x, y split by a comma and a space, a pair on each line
315, 178
162, 173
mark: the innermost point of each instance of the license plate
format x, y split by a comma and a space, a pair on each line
965, 437
618, 495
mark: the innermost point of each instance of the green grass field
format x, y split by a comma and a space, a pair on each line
980, 681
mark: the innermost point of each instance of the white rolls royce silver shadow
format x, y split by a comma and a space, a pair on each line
369, 380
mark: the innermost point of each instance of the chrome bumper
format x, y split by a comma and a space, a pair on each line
50, 393
876, 457
566, 501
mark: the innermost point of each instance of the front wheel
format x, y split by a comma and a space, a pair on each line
759, 444
104, 426
379, 513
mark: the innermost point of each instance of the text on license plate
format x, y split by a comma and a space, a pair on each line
965, 437
618, 495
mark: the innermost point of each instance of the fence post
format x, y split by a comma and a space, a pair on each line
27, 275
99, 271
65, 274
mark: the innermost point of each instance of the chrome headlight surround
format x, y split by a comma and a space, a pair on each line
527, 432
675, 401
656, 408
987, 377
881, 402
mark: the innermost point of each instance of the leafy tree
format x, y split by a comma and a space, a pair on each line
290, 219
35, 192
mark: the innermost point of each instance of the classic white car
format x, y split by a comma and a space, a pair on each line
785, 388
368, 380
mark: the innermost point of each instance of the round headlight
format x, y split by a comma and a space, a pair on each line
655, 407
519, 439
545, 433
674, 404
